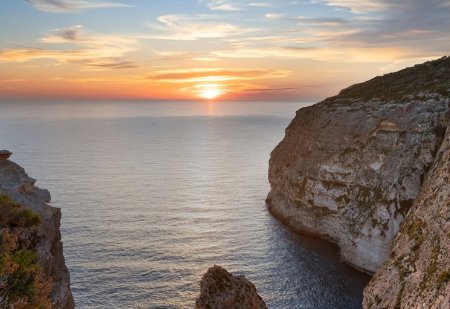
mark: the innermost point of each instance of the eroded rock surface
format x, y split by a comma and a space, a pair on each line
350, 167
417, 274
17, 185
221, 290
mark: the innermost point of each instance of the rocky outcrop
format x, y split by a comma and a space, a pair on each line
350, 167
221, 290
4, 155
20, 188
417, 274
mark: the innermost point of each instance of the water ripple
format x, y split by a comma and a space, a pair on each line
151, 200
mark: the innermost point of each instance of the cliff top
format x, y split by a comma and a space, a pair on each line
429, 77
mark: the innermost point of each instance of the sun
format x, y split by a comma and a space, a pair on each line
209, 91
210, 94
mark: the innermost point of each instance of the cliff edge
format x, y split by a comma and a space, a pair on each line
34, 274
350, 167
417, 273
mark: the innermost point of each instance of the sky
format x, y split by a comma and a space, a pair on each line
303, 50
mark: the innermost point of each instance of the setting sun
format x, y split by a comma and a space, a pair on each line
210, 92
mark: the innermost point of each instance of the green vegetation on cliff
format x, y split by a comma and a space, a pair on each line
21, 284
429, 77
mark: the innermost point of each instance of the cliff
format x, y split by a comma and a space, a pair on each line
350, 167
222, 290
34, 274
417, 274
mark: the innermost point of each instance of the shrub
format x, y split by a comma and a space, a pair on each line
13, 214
6, 200
28, 218
22, 285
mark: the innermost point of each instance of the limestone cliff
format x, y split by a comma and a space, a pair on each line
18, 190
222, 290
350, 167
417, 274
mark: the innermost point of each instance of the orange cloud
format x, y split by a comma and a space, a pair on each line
96, 51
215, 75
201, 81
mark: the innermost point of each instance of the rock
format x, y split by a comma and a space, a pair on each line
18, 186
222, 290
350, 167
417, 274
4, 155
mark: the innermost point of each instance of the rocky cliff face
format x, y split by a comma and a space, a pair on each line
222, 290
417, 274
19, 188
350, 167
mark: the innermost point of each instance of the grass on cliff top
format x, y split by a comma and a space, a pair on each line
429, 77
14, 215
21, 281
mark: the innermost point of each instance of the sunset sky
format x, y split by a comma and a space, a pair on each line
188, 49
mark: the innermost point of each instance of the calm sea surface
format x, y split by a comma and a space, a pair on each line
154, 193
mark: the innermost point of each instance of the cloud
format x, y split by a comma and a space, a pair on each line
91, 50
416, 25
64, 35
106, 63
111, 45
205, 59
82, 57
222, 80
265, 52
274, 16
371, 6
357, 6
181, 55
261, 4
13, 80
119, 80
194, 27
409, 30
235, 5
341, 54
214, 75
170, 54
24, 55
324, 21
270, 89
66, 6
222, 5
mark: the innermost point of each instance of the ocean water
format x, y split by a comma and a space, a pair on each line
154, 193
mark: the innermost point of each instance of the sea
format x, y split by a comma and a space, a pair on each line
154, 193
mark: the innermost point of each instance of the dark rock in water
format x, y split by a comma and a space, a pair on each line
220, 289
4, 155
349, 168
